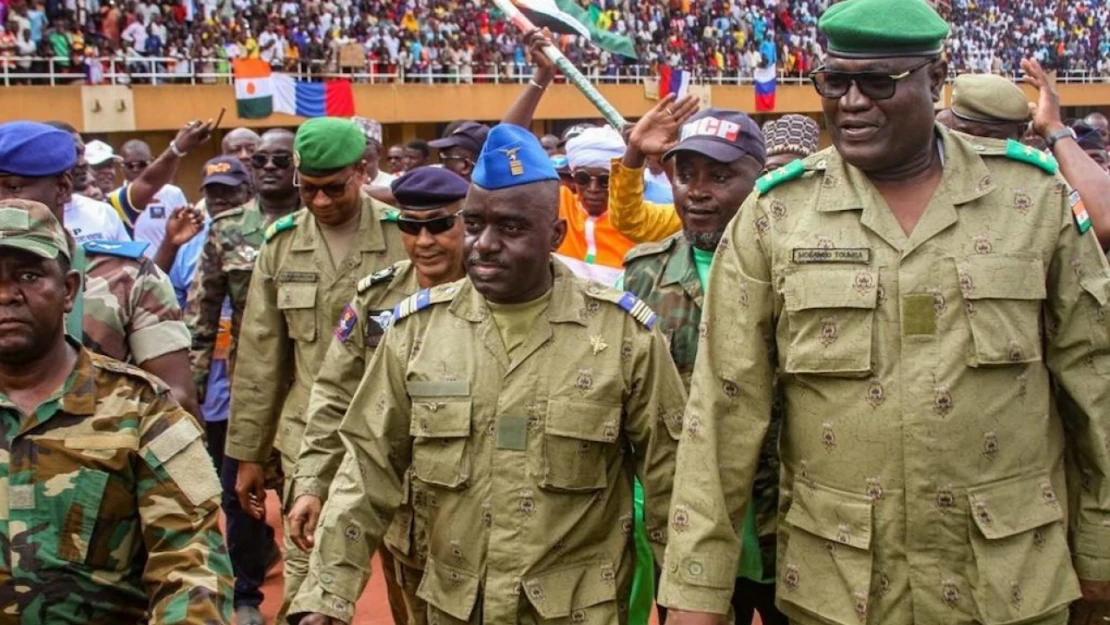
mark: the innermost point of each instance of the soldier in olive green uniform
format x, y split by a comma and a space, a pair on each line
306, 272
524, 399
431, 231
924, 297
715, 166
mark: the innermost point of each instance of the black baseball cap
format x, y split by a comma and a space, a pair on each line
469, 135
722, 135
225, 170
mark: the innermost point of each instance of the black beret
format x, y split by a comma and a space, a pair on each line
429, 187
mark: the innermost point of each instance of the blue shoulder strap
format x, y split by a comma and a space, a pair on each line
124, 249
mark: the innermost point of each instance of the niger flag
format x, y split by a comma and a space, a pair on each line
254, 90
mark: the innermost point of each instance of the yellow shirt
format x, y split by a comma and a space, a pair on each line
632, 215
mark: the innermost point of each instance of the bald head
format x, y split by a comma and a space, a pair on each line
241, 143
136, 157
1099, 122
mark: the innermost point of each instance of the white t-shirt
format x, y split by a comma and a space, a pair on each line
383, 179
136, 34
90, 220
150, 226
268, 54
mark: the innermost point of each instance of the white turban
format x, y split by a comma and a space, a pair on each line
595, 147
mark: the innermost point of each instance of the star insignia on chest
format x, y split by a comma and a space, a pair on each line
598, 344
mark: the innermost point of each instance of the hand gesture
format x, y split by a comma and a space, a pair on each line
193, 134
1046, 112
657, 131
185, 222
537, 40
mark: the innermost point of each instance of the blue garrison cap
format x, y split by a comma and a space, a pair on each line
35, 150
425, 188
512, 156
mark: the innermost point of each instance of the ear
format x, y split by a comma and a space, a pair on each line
72, 286
63, 190
938, 74
558, 233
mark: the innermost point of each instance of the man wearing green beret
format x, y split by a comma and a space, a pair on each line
305, 274
987, 105
932, 311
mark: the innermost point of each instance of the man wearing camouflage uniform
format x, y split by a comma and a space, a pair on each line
305, 274
110, 501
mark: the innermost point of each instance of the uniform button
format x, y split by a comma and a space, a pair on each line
695, 568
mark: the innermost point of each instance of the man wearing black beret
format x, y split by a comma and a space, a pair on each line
432, 234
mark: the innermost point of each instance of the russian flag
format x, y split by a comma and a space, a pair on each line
304, 98
674, 81
765, 79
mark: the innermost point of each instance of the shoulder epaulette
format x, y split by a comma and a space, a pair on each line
281, 225
628, 302
377, 278
649, 249
115, 366
123, 249
390, 214
790, 171
239, 210
1020, 152
424, 298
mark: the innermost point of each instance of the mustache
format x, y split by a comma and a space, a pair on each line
477, 258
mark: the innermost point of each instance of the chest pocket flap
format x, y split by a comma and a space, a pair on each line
298, 302
578, 440
441, 429
1004, 296
830, 312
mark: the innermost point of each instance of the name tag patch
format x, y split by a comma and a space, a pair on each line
297, 276
804, 255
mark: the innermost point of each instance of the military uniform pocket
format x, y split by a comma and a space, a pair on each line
440, 428
298, 303
77, 509
1022, 567
399, 534
578, 438
1003, 296
450, 592
826, 569
575, 595
830, 314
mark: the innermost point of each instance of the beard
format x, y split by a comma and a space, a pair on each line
706, 241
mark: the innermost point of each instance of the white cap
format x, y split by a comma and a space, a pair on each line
98, 153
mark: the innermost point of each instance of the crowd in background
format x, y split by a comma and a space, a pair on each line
468, 40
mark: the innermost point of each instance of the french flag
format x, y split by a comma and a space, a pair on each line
765, 79
674, 81
333, 98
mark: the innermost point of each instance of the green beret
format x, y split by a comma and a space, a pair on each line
325, 144
988, 98
871, 29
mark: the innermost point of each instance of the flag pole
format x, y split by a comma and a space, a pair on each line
563, 63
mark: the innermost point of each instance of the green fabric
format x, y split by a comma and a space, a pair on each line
643, 578
882, 28
603, 39
702, 260
325, 144
515, 321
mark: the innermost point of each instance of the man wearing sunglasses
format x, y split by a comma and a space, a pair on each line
222, 280
149, 219
305, 275
931, 312
459, 150
431, 230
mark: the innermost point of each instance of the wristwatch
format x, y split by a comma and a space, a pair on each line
1063, 133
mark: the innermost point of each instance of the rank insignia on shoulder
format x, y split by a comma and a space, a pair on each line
790, 171
1079, 212
423, 299
281, 225
123, 249
1020, 152
376, 278
638, 309
348, 319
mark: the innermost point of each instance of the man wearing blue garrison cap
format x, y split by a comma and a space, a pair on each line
126, 308
928, 309
523, 400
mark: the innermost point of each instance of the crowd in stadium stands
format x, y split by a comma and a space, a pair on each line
466, 39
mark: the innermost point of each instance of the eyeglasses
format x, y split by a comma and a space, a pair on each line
875, 85
281, 161
135, 165
446, 159
334, 190
583, 179
439, 225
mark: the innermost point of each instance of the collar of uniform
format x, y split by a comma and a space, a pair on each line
680, 262
77, 395
370, 238
566, 305
405, 280
253, 219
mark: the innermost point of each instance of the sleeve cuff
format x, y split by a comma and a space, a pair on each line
313, 599
158, 340
309, 485
697, 585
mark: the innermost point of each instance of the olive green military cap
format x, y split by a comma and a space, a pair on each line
988, 98
31, 227
883, 28
325, 144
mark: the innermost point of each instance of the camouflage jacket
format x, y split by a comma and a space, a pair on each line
223, 272
109, 507
664, 276
129, 309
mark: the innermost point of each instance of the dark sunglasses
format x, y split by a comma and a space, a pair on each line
439, 225
281, 161
133, 165
875, 85
584, 179
334, 190
445, 159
